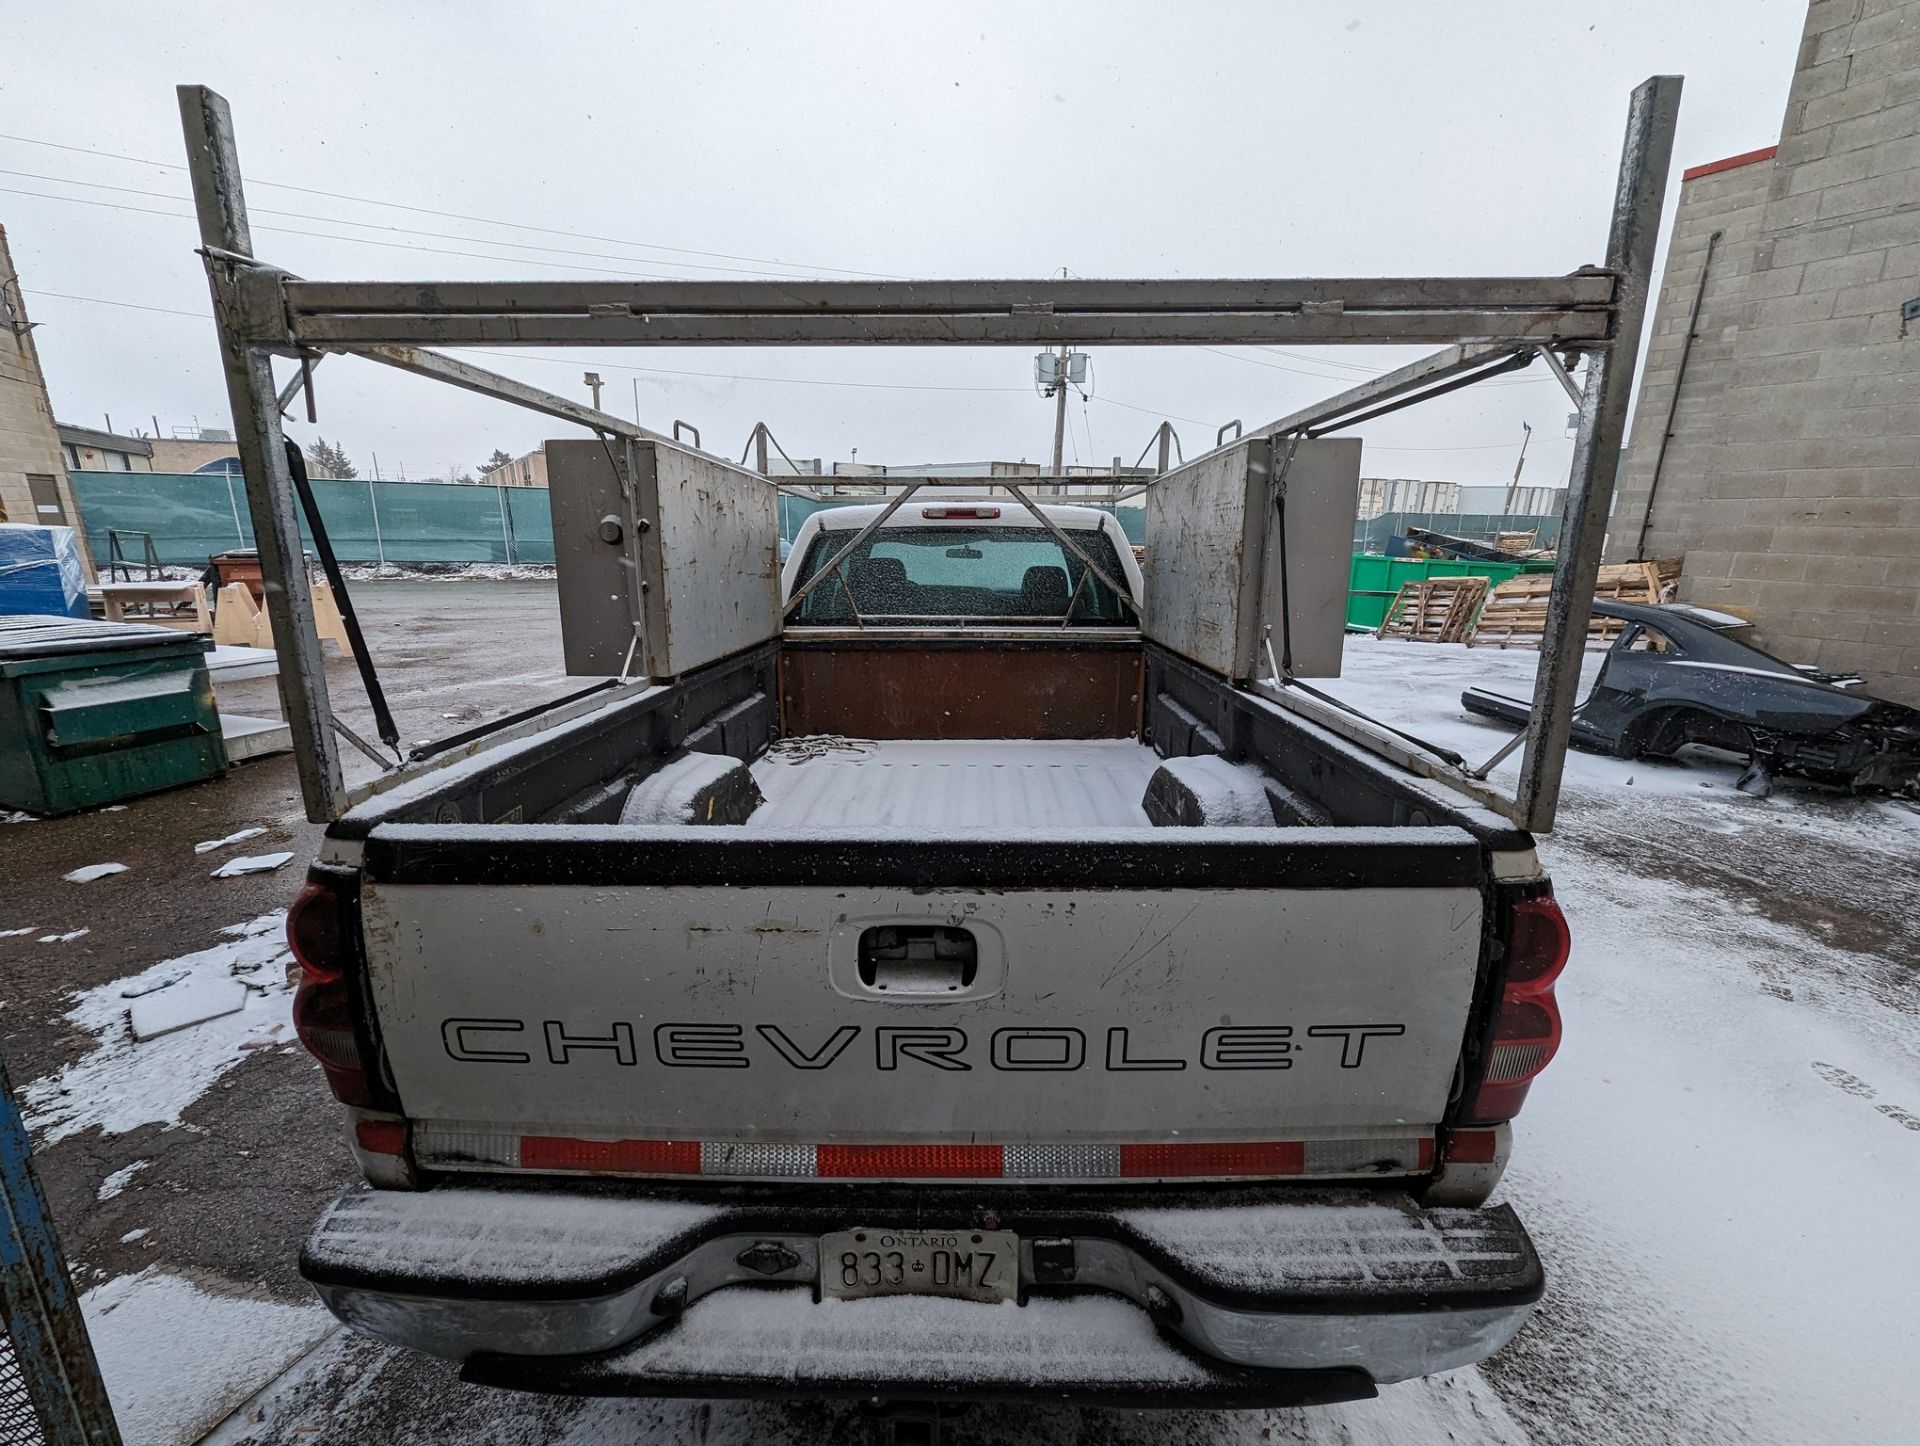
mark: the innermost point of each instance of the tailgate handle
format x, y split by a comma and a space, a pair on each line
918, 958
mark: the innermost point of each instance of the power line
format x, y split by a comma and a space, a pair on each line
454, 215
130, 305
376, 226
355, 240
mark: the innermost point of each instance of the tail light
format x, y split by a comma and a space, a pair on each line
323, 929
939, 513
1526, 1031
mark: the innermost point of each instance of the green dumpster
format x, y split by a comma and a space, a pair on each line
92, 712
1373, 580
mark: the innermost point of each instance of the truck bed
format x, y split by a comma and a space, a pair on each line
991, 783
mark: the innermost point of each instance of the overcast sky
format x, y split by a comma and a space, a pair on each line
1398, 137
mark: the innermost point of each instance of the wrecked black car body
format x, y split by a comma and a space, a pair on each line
1673, 677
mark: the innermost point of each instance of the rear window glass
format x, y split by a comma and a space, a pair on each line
907, 575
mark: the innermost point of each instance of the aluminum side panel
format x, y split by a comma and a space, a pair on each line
694, 1012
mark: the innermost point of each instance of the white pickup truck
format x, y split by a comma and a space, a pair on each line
960, 995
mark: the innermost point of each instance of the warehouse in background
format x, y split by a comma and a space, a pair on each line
1777, 438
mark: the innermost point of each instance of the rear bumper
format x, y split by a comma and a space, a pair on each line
1202, 1297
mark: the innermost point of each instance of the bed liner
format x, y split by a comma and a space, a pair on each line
992, 783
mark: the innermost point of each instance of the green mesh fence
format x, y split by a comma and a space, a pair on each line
193, 516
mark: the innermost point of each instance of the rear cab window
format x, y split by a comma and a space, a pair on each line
904, 576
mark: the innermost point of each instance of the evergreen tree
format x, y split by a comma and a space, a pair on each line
325, 454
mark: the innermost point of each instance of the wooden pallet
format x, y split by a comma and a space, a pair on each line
1434, 610
1515, 615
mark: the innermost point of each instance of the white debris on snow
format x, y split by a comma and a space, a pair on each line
1230, 795
193, 1000
66, 938
88, 873
177, 1358
209, 845
123, 1084
17, 933
120, 1179
18, 815
254, 864
133, 1235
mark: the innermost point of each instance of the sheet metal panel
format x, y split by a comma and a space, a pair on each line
1012, 690
699, 1011
597, 580
1213, 566
709, 544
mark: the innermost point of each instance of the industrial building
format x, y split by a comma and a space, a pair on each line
33, 474
1777, 438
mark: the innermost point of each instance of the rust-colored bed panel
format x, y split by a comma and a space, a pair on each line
996, 690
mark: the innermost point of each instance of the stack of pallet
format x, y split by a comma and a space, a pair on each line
1434, 610
1515, 616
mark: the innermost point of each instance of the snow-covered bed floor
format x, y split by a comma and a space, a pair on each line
992, 783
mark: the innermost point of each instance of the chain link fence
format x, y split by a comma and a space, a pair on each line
19, 1422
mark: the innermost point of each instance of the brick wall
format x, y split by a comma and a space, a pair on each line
1792, 482
28, 443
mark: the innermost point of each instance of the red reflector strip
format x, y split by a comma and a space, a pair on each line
381, 1137
920, 1162
661, 1157
1282, 1157
1473, 1147
456, 1145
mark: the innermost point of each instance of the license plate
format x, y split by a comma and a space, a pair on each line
967, 1264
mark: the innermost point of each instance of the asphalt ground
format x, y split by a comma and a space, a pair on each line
1824, 885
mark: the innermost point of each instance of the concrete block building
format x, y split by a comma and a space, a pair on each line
1776, 440
33, 474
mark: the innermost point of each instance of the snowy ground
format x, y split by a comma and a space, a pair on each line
1720, 1167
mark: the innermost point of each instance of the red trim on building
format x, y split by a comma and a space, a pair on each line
1713, 168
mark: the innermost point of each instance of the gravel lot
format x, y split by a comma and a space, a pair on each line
1719, 1168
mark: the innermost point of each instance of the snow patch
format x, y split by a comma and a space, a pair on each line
66, 938
177, 1359
90, 872
122, 1084
120, 1179
17, 933
495, 1236
1230, 795
209, 845
133, 1235
254, 864
666, 795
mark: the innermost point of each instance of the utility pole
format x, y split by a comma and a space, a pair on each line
1514, 486
1060, 413
593, 381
